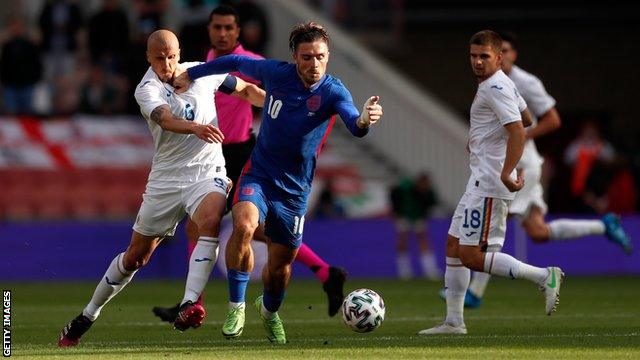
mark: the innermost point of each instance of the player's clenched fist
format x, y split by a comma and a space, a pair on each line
371, 112
513, 185
209, 133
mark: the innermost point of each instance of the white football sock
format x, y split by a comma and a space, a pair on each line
564, 229
480, 280
430, 265
504, 265
404, 265
233, 305
479, 283
456, 281
201, 263
109, 286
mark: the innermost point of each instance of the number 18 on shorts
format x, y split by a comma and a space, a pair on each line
480, 220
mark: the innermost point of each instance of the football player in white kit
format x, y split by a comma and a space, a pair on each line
187, 175
496, 141
529, 205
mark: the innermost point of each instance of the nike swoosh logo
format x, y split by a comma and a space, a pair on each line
496, 87
202, 259
106, 278
471, 233
552, 284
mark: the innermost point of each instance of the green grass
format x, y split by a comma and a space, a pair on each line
598, 318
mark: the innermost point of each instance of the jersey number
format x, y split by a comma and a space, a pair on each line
474, 221
188, 112
220, 183
274, 107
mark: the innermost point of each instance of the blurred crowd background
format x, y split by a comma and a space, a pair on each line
62, 58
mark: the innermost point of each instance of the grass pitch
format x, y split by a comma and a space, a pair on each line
598, 318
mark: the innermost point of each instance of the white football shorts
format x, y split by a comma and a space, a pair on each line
480, 220
531, 194
164, 204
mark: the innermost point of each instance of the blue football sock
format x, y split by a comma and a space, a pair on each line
272, 300
237, 281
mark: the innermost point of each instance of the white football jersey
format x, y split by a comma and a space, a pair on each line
539, 102
497, 103
181, 157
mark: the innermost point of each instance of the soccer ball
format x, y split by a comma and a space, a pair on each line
363, 310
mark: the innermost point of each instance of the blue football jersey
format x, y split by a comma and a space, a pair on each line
295, 119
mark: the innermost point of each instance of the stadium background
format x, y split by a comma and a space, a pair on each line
74, 161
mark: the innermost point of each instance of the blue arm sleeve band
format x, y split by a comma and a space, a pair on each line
220, 65
350, 116
228, 86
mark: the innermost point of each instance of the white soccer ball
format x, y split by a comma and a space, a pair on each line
363, 310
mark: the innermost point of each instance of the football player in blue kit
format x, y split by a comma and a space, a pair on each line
300, 107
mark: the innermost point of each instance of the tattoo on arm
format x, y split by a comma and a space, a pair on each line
158, 113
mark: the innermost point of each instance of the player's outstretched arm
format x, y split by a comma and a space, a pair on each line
515, 146
254, 68
162, 116
249, 92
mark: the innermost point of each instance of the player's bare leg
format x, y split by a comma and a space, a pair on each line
568, 229
535, 226
540, 231
275, 276
191, 230
239, 260
239, 255
479, 282
204, 256
333, 278
120, 272
549, 281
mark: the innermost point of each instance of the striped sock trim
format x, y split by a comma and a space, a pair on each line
454, 262
493, 255
120, 266
209, 239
